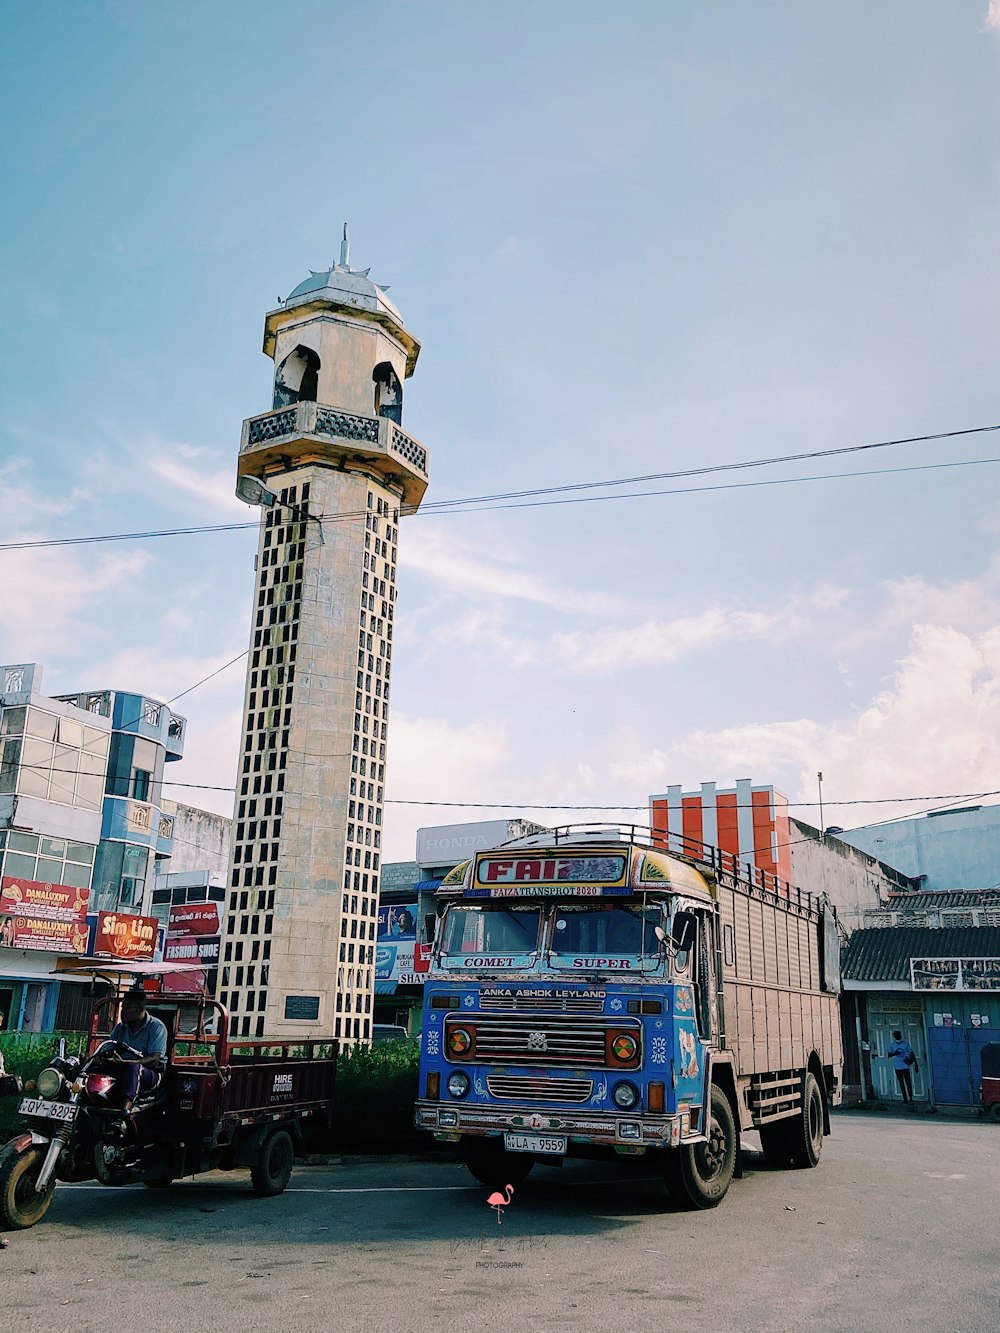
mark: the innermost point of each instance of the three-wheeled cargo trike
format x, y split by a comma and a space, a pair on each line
221, 1103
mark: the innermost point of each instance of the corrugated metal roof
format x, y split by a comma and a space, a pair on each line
884, 955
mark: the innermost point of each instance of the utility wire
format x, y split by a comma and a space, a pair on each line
528, 498
124, 536
722, 486
711, 467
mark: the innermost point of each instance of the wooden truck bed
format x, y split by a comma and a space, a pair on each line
775, 1008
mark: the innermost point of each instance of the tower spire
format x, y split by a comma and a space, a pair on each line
345, 250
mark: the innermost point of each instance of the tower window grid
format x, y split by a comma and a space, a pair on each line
249, 920
268, 716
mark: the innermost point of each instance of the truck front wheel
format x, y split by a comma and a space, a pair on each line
20, 1204
699, 1174
492, 1165
272, 1167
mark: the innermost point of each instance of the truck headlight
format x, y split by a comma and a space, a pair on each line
625, 1096
49, 1083
624, 1047
458, 1083
459, 1041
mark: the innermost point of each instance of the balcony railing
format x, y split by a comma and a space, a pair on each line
378, 434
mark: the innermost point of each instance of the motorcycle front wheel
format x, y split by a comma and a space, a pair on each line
21, 1205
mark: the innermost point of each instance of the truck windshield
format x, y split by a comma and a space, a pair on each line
604, 939
490, 938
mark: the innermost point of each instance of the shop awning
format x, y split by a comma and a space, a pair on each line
385, 988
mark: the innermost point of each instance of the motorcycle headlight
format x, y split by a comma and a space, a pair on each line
49, 1083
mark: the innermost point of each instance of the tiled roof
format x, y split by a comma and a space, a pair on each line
921, 902
884, 955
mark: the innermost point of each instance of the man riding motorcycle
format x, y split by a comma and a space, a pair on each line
147, 1036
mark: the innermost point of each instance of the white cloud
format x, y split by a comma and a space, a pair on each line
460, 569
213, 489
993, 16
934, 730
50, 598
482, 631
25, 502
662, 642
211, 756
431, 760
151, 671
967, 604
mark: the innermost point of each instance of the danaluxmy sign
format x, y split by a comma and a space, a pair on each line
49, 917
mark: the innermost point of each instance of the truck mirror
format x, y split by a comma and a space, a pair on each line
429, 924
683, 931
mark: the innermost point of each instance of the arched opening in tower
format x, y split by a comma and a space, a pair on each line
388, 393
296, 379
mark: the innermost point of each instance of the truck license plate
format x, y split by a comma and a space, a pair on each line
48, 1110
554, 1143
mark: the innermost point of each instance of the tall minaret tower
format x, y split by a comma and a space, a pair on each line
298, 954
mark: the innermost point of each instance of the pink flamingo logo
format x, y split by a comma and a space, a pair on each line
497, 1201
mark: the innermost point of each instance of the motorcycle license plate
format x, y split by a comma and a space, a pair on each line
38, 1106
554, 1143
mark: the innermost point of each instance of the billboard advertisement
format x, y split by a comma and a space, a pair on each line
120, 935
399, 957
447, 844
194, 934
49, 917
51, 902
194, 919
398, 921
26, 932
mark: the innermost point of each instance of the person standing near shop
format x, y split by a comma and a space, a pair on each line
904, 1061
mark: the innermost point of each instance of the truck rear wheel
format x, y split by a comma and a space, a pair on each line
20, 1205
492, 1165
699, 1174
805, 1131
272, 1167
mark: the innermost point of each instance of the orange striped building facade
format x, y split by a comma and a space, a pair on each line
748, 822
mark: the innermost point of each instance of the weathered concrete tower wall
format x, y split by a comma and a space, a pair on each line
298, 954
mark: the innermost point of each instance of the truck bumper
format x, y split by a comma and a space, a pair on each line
449, 1120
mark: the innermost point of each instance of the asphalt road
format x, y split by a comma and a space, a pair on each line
896, 1229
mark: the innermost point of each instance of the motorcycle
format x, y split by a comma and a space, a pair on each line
77, 1128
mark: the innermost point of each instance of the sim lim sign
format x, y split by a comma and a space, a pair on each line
120, 935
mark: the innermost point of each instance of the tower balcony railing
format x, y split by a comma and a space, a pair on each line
373, 434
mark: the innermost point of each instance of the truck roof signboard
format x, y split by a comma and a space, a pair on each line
571, 870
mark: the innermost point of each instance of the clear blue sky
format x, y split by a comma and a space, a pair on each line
631, 239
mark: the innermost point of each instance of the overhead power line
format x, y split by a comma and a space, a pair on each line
565, 493
711, 467
534, 805
124, 536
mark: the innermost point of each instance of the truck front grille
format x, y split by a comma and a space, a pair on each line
548, 1039
547, 1004
571, 1090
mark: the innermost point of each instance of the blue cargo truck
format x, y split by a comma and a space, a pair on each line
593, 991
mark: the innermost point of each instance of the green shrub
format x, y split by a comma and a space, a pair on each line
24, 1054
373, 1104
